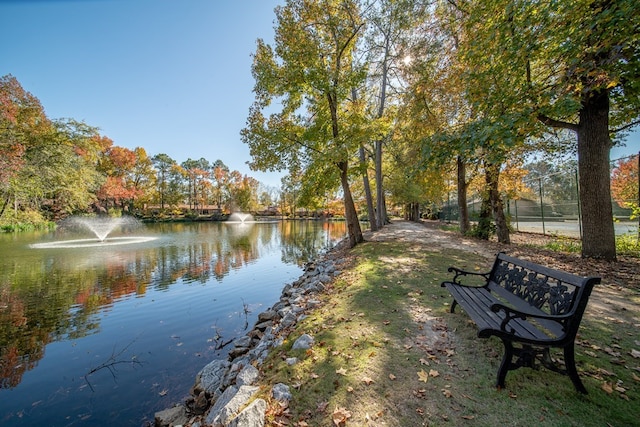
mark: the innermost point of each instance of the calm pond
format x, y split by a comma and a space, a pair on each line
107, 334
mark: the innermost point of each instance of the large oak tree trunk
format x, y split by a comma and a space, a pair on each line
594, 144
350, 214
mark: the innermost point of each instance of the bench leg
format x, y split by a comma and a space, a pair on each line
453, 306
570, 365
505, 365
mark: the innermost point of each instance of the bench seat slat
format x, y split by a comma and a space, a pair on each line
477, 303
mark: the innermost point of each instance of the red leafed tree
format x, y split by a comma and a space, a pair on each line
118, 163
624, 184
21, 115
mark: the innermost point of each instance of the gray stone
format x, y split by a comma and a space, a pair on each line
267, 315
200, 404
304, 342
244, 341
233, 405
251, 416
291, 361
289, 320
281, 392
212, 375
324, 278
247, 376
237, 352
223, 400
171, 417
262, 326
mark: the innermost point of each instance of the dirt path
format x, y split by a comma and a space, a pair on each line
617, 297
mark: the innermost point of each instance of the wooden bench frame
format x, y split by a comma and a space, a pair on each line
529, 304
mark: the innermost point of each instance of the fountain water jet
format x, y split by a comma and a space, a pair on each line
241, 217
101, 227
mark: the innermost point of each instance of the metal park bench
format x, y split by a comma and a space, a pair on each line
530, 307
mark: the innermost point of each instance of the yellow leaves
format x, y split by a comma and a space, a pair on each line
341, 371
423, 376
392, 377
609, 388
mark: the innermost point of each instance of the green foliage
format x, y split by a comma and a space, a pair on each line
628, 244
25, 220
564, 244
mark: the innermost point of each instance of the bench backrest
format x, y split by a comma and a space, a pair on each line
551, 291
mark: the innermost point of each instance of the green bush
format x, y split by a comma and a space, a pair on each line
25, 221
628, 244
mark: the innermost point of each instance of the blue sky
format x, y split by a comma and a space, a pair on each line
171, 76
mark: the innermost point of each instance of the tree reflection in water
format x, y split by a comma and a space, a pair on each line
52, 295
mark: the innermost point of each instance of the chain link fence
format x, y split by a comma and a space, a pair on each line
548, 200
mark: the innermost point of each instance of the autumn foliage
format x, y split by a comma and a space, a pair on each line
624, 183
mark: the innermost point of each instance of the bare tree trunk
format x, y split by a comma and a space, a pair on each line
350, 214
4, 205
373, 223
484, 229
381, 206
492, 174
465, 225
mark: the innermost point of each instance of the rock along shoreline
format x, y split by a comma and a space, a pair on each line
223, 387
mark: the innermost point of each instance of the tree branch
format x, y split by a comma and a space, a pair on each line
625, 127
557, 123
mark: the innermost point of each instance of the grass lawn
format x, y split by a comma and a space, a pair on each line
388, 353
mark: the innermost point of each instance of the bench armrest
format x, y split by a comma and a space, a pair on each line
460, 273
513, 313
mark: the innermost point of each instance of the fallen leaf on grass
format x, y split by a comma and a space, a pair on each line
367, 380
393, 377
611, 352
164, 392
607, 387
340, 416
424, 362
635, 353
434, 373
447, 393
423, 376
341, 371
